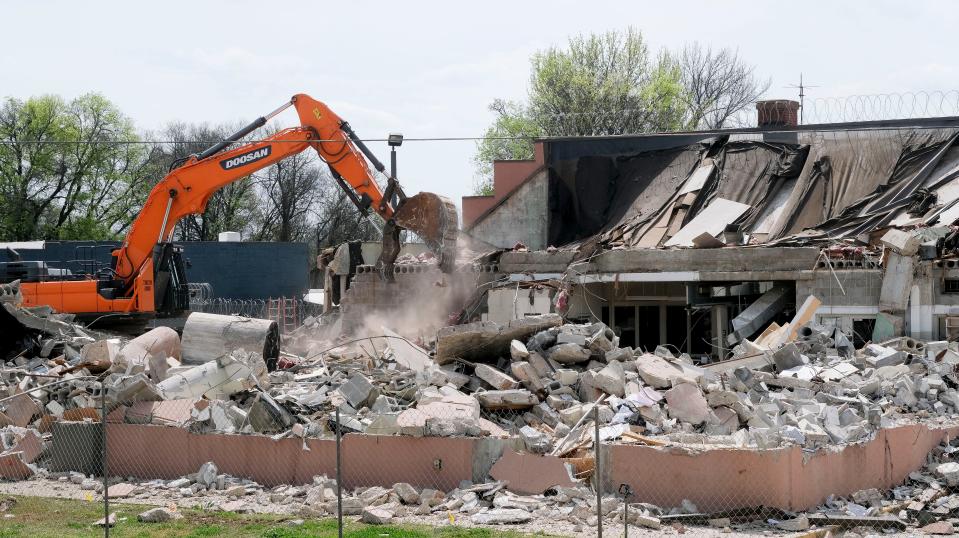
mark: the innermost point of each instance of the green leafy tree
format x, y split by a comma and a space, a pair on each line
603, 85
610, 84
69, 170
510, 137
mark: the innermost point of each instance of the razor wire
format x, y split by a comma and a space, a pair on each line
290, 308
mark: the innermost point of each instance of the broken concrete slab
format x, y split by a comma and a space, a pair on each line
497, 379
501, 516
901, 242
518, 351
687, 403
21, 410
611, 379
158, 515
569, 353
506, 399
788, 356
487, 341
13, 466
406, 493
375, 516
662, 374
122, 490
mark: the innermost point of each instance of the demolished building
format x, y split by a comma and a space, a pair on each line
698, 240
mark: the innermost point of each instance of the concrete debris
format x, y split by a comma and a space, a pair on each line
535, 385
501, 516
496, 379
476, 341
158, 515
376, 516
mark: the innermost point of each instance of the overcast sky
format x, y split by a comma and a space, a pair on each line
429, 69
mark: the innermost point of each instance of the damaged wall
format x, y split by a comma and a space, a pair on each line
785, 478
162, 452
520, 218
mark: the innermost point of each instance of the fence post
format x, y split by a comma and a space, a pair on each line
626, 492
103, 457
597, 474
339, 479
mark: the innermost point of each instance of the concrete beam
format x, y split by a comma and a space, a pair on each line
714, 259
757, 314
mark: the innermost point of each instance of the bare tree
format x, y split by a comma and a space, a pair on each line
287, 194
718, 86
230, 208
338, 219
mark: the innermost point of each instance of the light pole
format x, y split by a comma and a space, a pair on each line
395, 140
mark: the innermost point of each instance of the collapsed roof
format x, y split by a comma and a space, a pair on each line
785, 187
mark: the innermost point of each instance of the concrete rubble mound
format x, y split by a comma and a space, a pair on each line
537, 383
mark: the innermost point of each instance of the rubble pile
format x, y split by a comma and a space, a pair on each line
536, 382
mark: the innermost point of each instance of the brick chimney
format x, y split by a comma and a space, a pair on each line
777, 113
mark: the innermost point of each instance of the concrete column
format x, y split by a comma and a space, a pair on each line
327, 290
921, 321
662, 324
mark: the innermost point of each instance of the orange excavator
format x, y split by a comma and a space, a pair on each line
147, 277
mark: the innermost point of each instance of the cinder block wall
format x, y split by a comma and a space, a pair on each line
861, 287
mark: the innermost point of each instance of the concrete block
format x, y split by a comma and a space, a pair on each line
497, 379
687, 403
660, 373
901, 242
518, 351
787, 357
569, 353
611, 379
506, 399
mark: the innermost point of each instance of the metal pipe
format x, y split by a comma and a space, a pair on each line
279, 109
237, 136
166, 215
597, 473
339, 479
362, 145
106, 475
626, 492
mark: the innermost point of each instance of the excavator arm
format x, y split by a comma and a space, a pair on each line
187, 188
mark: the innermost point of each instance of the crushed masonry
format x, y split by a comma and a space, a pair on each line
536, 384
